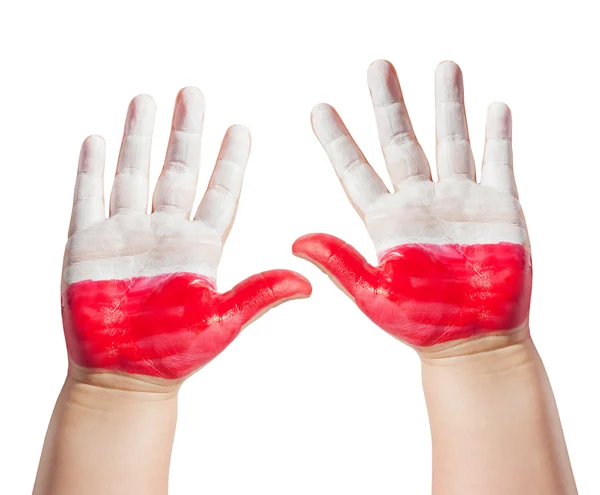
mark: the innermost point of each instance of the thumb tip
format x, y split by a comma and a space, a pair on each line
300, 244
298, 284
289, 285
312, 246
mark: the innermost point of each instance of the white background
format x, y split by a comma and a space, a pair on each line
313, 398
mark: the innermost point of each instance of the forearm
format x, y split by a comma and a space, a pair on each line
106, 438
494, 424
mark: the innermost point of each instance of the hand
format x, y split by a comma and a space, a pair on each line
139, 293
454, 257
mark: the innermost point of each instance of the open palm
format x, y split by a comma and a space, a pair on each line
139, 291
454, 257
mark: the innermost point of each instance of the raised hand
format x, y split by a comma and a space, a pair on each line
139, 293
454, 258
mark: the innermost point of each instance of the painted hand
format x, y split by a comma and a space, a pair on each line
138, 290
454, 258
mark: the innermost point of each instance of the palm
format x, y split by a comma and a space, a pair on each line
453, 254
148, 244
139, 291
450, 212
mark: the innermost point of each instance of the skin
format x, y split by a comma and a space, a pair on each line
141, 310
454, 282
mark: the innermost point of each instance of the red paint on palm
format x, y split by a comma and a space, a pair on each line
425, 294
168, 325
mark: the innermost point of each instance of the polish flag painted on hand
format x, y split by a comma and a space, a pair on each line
427, 294
166, 325
454, 258
139, 293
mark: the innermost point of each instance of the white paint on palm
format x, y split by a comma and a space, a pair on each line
454, 210
136, 244
132, 242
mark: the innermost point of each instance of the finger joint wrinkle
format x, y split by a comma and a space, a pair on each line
220, 188
178, 166
186, 131
226, 161
334, 140
454, 137
389, 102
132, 170
351, 166
400, 139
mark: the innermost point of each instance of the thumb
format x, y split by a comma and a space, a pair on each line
259, 293
344, 264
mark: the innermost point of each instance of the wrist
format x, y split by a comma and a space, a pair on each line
106, 389
488, 353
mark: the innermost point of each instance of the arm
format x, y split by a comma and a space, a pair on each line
454, 282
494, 423
109, 434
141, 311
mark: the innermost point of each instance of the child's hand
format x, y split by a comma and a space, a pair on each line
454, 260
139, 292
